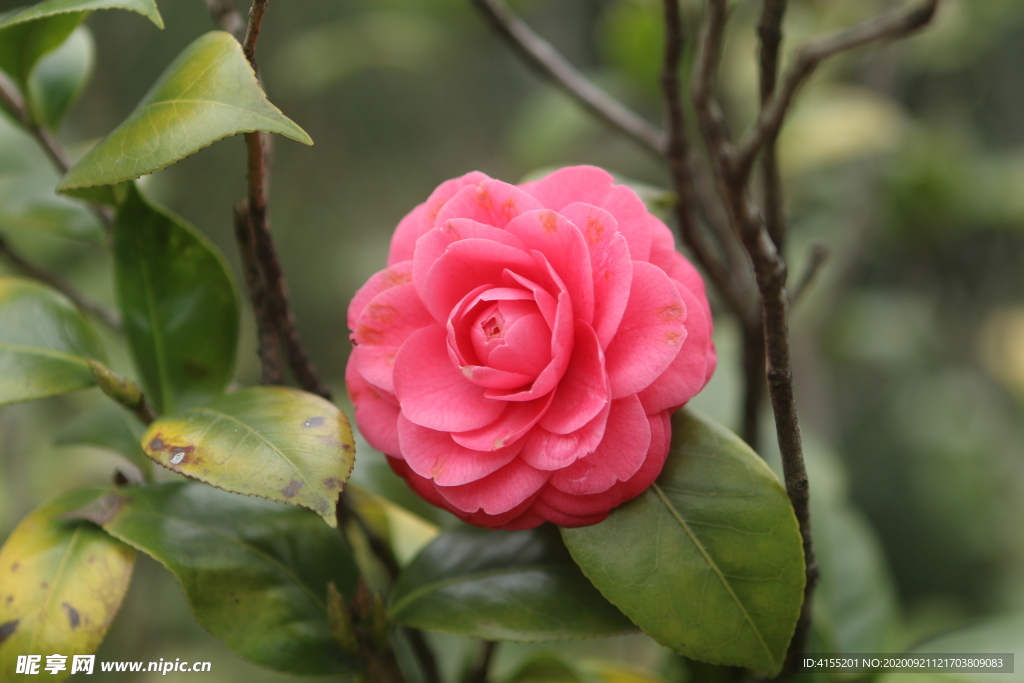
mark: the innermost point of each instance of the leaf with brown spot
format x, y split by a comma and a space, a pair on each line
273, 442
56, 600
255, 573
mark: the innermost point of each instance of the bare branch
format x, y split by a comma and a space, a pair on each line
710, 118
225, 13
680, 164
770, 32
481, 668
815, 260
888, 26
24, 266
252, 31
267, 333
539, 54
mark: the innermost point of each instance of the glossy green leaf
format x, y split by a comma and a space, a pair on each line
60, 77
178, 302
44, 342
406, 532
502, 585
22, 45
255, 573
110, 427
27, 200
209, 93
708, 561
548, 667
274, 442
61, 583
53, 8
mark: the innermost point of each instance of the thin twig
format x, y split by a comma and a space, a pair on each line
539, 54
266, 331
770, 32
122, 390
274, 282
888, 26
23, 265
680, 165
13, 102
225, 13
482, 667
815, 260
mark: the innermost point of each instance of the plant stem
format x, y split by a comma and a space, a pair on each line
266, 330
20, 263
482, 667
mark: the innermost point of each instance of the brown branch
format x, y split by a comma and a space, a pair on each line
770, 32
24, 266
815, 260
887, 26
266, 330
277, 308
544, 58
225, 13
680, 164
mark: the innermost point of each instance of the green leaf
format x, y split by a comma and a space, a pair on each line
22, 45
60, 77
548, 667
255, 573
109, 427
27, 200
53, 8
209, 93
44, 342
179, 305
502, 585
406, 532
61, 583
274, 442
708, 561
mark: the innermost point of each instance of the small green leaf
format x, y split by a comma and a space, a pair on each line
61, 583
179, 305
23, 44
209, 93
109, 427
708, 561
548, 667
52, 8
60, 77
255, 573
502, 585
44, 343
406, 532
273, 442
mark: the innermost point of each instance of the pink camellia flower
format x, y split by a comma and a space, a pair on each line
520, 356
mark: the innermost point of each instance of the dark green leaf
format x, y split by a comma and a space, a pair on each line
61, 583
209, 93
179, 305
708, 561
109, 427
274, 442
59, 77
44, 342
255, 573
502, 585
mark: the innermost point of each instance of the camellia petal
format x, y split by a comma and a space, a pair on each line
497, 492
376, 411
435, 455
651, 333
393, 276
421, 219
549, 451
432, 392
584, 390
491, 202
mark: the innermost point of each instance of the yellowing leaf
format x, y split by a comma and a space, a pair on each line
208, 93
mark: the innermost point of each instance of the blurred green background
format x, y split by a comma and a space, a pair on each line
906, 160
